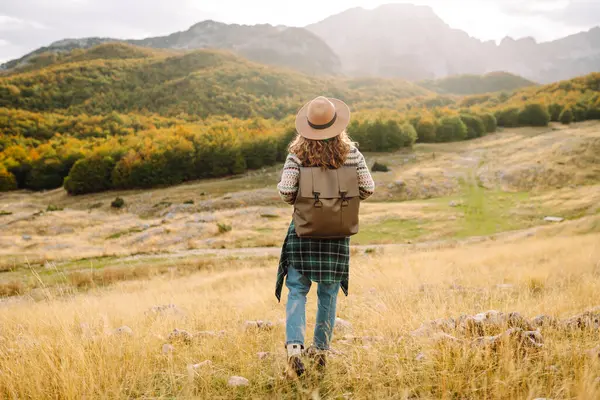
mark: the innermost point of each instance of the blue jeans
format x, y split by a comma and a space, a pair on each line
295, 327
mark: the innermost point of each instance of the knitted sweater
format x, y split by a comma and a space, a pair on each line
288, 186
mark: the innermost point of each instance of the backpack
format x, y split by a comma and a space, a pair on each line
327, 203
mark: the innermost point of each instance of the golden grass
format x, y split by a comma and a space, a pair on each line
66, 347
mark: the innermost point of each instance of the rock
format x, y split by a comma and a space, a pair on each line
168, 348
227, 197
587, 320
505, 286
258, 325
554, 219
444, 338
342, 326
26, 237
391, 186
168, 309
236, 381
400, 183
179, 335
206, 363
170, 215
454, 203
420, 357
124, 330
544, 320
263, 354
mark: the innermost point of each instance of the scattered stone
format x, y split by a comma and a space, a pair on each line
203, 364
26, 237
421, 357
236, 381
400, 183
258, 325
168, 309
544, 321
342, 326
444, 338
124, 330
168, 348
179, 335
587, 320
227, 197
554, 219
263, 354
454, 203
391, 186
594, 353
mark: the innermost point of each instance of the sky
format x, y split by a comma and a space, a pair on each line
29, 24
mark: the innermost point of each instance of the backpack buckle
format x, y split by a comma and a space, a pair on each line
345, 202
318, 203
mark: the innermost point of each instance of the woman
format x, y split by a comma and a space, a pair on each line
321, 142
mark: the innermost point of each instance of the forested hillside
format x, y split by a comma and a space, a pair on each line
117, 116
477, 84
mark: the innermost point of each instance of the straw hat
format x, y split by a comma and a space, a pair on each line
322, 118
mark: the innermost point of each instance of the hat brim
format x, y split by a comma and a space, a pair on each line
341, 122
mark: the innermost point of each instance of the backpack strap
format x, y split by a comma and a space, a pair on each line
343, 189
318, 202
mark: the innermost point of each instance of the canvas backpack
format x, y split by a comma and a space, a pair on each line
327, 203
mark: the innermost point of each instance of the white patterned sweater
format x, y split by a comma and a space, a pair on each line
288, 186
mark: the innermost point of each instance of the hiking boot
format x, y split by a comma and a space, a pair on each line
295, 367
318, 356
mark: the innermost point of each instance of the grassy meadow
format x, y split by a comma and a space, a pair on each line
454, 230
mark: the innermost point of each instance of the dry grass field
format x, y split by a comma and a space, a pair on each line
456, 264
70, 347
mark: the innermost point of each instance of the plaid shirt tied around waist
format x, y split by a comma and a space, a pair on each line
320, 260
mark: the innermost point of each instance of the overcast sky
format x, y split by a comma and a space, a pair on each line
28, 24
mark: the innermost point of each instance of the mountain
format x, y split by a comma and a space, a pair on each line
477, 84
125, 78
295, 48
412, 42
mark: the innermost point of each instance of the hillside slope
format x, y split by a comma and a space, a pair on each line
124, 78
295, 48
477, 84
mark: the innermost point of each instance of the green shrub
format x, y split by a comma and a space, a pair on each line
90, 175
224, 228
408, 134
259, 153
508, 118
379, 167
475, 126
451, 129
534, 114
426, 131
579, 112
46, 174
52, 208
118, 203
555, 110
7, 181
566, 116
188, 202
490, 122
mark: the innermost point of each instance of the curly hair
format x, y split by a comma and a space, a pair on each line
327, 154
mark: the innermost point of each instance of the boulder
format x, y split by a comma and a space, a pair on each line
124, 330
236, 381
179, 335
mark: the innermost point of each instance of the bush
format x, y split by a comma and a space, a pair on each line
566, 116
475, 126
555, 110
508, 118
490, 122
188, 202
224, 228
451, 129
379, 167
90, 175
579, 112
259, 152
534, 114
7, 181
46, 174
118, 203
408, 134
52, 208
426, 130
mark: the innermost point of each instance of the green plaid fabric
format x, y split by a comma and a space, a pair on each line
320, 260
